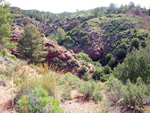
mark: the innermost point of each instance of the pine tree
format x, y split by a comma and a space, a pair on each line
32, 44
5, 29
96, 12
131, 5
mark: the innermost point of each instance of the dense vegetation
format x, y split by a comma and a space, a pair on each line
110, 27
5, 29
136, 65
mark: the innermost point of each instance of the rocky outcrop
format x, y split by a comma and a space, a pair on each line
72, 25
67, 60
57, 55
17, 31
94, 52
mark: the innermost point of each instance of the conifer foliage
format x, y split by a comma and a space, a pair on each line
5, 29
32, 43
136, 64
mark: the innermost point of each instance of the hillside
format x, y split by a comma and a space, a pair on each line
101, 33
93, 61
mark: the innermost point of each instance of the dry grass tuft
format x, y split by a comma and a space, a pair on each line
12, 91
25, 108
46, 77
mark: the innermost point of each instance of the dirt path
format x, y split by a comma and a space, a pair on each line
5, 99
79, 104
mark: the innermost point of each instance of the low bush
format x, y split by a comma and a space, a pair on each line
39, 101
91, 89
120, 53
135, 42
5, 53
73, 63
82, 70
71, 79
66, 95
57, 62
130, 95
115, 89
134, 95
108, 57
86, 58
123, 45
112, 62
97, 74
107, 70
136, 64
86, 77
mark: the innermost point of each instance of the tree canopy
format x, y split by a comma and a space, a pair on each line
136, 64
5, 29
32, 44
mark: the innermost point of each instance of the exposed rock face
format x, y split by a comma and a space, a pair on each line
54, 50
72, 25
16, 34
137, 13
94, 50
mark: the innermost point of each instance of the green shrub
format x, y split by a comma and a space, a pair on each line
86, 77
85, 39
115, 89
90, 89
130, 95
126, 40
96, 64
39, 101
12, 56
83, 70
109, 16
136, 64
120, 53
97, 96
97, 74
71, 79
57, 62
66, 95
107, 70
73, 63
1, 77
135, 42
6, 54
112, 62
123, 46
84, 57
135, 95
108, 57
